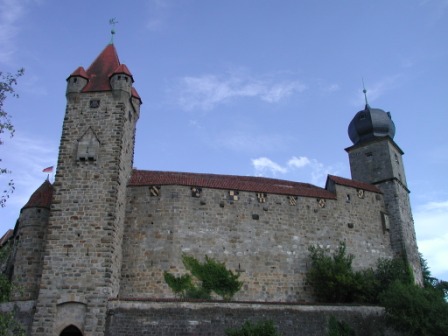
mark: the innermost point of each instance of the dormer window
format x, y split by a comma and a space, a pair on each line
88, 147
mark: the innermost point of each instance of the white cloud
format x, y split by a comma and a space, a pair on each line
250, 143
308, 170
264, 164
298, 162
158, 14
207, 91
26, 158
432, 234
11, 11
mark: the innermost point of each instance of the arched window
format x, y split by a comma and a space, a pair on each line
71, 330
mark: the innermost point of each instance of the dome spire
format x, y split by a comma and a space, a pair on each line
112, 22
365, 92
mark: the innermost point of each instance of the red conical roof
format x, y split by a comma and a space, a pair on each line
80, 72
101, 69
41, 198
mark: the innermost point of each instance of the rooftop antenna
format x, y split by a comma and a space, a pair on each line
365, 91
112, 22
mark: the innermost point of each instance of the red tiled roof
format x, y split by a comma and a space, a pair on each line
41, 198
123, 69
229, 182
354, 184
80, 72
100, 71
6, 237
135, 94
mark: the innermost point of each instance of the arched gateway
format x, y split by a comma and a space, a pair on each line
71, 331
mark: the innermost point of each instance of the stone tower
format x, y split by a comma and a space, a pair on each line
82, 258
29, 243
375, 158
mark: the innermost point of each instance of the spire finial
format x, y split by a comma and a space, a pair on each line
112, 22
365, 91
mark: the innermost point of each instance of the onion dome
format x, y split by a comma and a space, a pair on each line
369, 124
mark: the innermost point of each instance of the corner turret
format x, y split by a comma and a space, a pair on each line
77, 81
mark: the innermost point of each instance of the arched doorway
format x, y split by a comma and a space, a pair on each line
71, 330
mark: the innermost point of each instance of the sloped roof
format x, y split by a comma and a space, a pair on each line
6, 237
103, 67
228, 182
353, 184
41, 198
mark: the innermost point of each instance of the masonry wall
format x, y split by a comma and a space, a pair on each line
200, 319
28, 252
267, 243
82, 261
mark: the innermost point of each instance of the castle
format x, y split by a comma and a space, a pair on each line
101, 236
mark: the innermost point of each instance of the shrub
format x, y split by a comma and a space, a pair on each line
415, 310
339, 328
262, 328
210, 276
332, 277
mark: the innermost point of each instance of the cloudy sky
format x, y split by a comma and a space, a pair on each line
244, 87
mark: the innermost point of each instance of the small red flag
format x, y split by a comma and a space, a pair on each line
48, 170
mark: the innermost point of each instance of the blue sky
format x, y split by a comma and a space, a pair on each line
242, 87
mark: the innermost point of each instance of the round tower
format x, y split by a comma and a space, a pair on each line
29, 241
375, 158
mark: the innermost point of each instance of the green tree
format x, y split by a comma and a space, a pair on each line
7, 88
415, 310
339, 328
8, 324
332, 277
262, 328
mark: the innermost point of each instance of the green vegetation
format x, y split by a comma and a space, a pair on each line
7, 83
8, 324
262, 328
206, 277
339, 328
410, 308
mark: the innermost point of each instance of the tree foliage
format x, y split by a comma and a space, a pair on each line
8, 82
410, 308
8, 323
262, 328
206, 277
339, 328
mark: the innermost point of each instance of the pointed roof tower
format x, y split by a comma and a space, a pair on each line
42, 197
102, 69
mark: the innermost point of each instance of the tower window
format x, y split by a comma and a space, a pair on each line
88, 147
369, 154
396, 159
75, 79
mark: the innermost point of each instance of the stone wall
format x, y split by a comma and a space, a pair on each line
266, 242
200, 319
29, 246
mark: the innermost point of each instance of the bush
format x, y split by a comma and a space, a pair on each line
415, 310
332, 277
262, 328
211, 276
338, 328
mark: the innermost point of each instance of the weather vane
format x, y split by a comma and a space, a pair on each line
364, 90
112, 22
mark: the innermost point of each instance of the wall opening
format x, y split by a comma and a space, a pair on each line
71, 330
